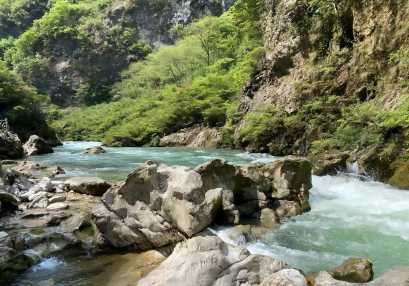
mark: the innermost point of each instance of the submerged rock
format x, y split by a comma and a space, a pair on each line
88, 185
37, 146
95, 150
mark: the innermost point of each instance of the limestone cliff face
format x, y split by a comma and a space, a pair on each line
155, 19
338, 60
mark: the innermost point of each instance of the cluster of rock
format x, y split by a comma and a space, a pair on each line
40, 216
159, 205
11, 146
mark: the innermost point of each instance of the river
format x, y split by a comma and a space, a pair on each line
351, 216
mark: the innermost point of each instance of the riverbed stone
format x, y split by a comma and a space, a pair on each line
355, 270
88, 185
285, 277
208, 260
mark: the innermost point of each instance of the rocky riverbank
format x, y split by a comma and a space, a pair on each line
156, 208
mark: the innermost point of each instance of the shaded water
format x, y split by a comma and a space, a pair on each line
349, 217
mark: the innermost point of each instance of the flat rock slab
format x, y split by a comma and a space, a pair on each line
57, 206
88, 185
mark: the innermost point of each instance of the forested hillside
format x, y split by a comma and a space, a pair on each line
22, 105
75, 50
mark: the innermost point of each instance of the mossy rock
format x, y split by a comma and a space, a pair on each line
400, 177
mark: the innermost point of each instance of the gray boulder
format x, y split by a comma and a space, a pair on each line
87, 185
159, 205
285, 277
207, 260
10, 146
37, 146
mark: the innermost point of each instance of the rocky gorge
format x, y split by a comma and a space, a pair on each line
167, 210
214, 142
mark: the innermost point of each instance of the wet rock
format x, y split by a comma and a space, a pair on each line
95, 150
287, 209
213, 262
355, 270
330, 164
55, 171
37, 146
57, 206
88, 185
10, 146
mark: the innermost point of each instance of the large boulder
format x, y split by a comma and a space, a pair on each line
160, 205
37, 146
87, 185
10, 146
207, 260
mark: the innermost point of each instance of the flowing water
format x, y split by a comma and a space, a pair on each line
350, 216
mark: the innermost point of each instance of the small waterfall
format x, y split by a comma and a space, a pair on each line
353, 168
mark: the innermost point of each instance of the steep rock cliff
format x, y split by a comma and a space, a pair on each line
331, 68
